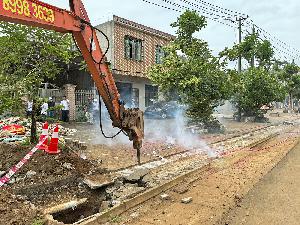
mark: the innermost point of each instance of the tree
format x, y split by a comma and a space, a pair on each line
290, 76
257, 87
28, 56
259, 84
190, 70
250, 48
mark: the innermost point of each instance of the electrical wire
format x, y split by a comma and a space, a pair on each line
182, 8
288, 50
216, 19
221, 8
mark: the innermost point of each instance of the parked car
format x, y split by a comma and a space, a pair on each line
163, 110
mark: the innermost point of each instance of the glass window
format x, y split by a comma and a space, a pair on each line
151, 94
133, 48
159, 54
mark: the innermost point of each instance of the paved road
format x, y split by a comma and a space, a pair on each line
275, 200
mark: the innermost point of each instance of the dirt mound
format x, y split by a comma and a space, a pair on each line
41, 168
14, 210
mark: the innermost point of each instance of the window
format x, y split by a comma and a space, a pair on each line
133, 48
159, 54
151, 94
125, 91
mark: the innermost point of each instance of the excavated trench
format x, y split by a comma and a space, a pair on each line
100, 199
65, 190
74, 214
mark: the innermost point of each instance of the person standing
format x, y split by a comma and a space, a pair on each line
29, 108
44, 109
65, 103
51, 104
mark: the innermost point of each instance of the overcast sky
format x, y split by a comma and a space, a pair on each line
279, 17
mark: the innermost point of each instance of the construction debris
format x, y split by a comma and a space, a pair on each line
17, 129
165, 197
137, 175
187, 200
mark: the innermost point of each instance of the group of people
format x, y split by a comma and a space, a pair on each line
47, 109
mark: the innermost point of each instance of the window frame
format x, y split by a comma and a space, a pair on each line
133, 48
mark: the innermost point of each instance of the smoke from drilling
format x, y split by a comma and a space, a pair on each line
171, 131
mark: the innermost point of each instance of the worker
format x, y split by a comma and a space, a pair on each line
51, 104
65, 103
29, 108
44, 110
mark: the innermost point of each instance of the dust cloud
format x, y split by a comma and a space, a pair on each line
169, 131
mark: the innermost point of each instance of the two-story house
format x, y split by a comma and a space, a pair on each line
133, 49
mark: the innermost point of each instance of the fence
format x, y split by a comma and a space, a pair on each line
82, 96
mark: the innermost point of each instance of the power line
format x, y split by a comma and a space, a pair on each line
181, 9
186, 7
202, 8
235, 13
217, 13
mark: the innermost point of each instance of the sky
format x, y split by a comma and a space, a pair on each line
280, 18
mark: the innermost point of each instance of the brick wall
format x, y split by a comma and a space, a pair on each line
150, 41
70, 94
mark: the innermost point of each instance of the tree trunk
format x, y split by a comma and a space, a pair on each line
33, 135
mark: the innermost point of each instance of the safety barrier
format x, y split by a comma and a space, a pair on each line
23, 161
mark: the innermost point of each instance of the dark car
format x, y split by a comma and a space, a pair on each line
163, 110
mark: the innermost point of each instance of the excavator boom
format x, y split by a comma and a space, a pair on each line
76, 21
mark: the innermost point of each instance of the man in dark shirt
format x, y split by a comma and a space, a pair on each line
51, 104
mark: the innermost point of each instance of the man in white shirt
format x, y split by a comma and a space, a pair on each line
65, 110
29, 108
44, 109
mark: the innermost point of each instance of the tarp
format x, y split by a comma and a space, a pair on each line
14, 129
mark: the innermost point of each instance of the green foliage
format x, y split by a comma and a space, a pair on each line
252, 47
257, 87
290, 76
26, 142
195, 75
27, 57
38, 221
260, 84
80, 114
116, 219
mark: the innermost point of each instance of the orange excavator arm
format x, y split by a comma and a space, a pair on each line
76, 21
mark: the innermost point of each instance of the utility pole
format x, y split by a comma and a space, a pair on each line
240, 40
253, 57
240, 19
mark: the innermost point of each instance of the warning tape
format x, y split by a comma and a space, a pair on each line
17, 167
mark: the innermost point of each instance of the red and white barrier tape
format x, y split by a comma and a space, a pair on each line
17, 167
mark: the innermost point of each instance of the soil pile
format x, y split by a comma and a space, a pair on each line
14, 210
41, 168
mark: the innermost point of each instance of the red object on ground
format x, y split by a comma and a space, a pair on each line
14, 129
44, 134
53, 146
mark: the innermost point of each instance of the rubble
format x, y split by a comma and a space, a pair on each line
30, 173
137, 175
187, 200
17, 129
165, 197
68, 166
2, 173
